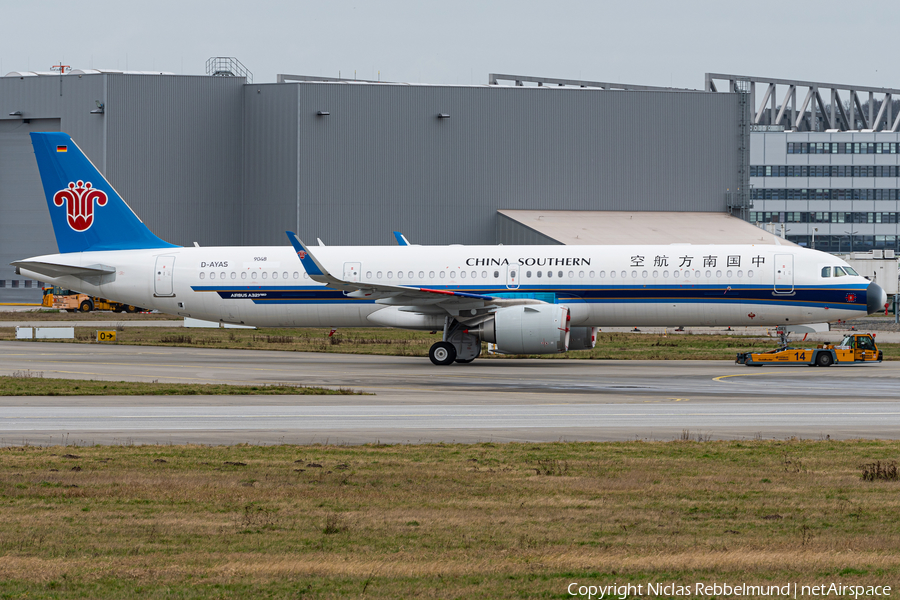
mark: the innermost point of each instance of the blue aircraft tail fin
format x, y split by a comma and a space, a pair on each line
87, 213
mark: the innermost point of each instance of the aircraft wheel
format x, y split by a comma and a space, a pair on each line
824, 359
442, 353
86, 306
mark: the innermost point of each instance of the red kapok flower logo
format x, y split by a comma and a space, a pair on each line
79, 200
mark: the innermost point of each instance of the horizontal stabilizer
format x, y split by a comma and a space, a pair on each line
60, 270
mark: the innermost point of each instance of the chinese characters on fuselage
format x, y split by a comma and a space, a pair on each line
731, 260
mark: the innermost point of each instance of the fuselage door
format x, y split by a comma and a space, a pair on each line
784, 273
351, 271
163, 282
512, 276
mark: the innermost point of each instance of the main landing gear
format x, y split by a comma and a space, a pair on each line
457, 346
442, 353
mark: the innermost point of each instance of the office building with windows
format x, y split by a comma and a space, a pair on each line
836, 191
824, 161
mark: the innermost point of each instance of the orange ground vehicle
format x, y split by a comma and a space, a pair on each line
63, 299
854, 348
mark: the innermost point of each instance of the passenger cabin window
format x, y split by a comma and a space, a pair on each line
839, 272
826, 271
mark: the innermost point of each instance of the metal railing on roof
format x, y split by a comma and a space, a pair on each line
227, 66
814, 114
521, 80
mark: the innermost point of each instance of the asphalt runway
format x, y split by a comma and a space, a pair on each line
413, 401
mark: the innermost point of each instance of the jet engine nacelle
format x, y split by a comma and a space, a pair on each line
582, 338
528, 329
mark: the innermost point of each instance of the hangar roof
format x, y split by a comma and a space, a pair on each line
575, 227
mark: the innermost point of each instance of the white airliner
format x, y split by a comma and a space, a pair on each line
523, 299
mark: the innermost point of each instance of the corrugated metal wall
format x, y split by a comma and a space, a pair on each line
270, 164
171, 145
212, 160
46, 104
174, 152
383, 160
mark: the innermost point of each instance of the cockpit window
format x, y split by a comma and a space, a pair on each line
826, 271
850, 271
839, 272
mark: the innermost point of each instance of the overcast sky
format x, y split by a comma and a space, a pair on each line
648, 42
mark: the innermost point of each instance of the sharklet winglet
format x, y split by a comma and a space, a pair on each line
312, 266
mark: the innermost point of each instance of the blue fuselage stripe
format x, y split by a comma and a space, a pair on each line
851, 297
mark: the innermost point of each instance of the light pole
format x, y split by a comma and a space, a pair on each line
850, 234
815, 230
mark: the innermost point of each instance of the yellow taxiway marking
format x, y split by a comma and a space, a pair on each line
721, 377
667, 400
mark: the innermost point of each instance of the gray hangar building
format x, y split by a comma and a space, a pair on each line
218, 160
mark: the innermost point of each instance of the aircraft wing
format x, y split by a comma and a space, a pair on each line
396, 295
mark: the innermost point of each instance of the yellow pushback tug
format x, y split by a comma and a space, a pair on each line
854, 348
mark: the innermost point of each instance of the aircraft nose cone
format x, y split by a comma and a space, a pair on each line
875, 298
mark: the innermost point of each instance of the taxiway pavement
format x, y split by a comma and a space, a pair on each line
491, 399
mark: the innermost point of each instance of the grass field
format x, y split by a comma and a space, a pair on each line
441, 521
28, 383
399, 342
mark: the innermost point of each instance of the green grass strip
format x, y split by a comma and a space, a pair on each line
32, 384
